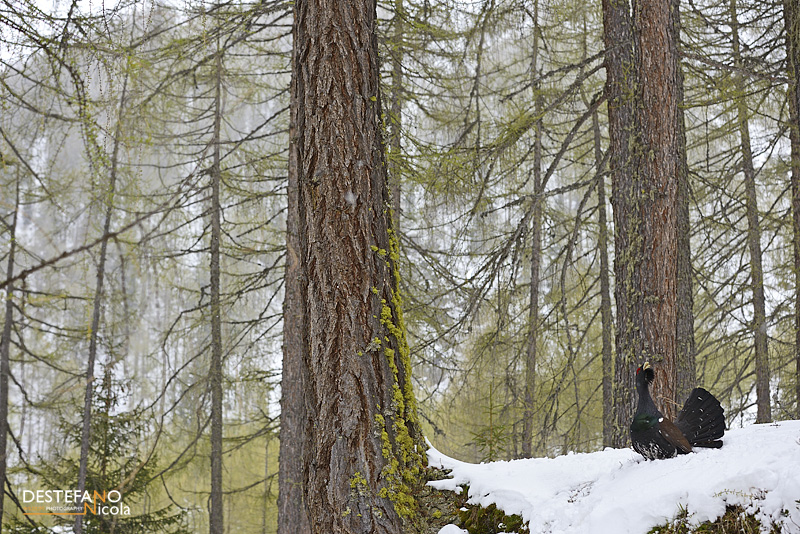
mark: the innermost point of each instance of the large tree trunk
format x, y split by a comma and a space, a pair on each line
364, 448
657, 59
620, 87
645, 155
216, 519
759, 325
686, 372
292, 515
791, 12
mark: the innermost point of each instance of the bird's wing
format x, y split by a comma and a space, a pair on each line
672, 434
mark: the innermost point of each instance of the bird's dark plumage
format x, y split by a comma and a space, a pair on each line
701, 422
702, 419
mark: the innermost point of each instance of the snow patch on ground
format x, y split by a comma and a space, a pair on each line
616, 491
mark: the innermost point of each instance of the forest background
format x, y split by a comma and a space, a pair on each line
143, 194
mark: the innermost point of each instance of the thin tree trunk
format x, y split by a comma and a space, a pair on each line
22, 379
364, 449
606, 318
5, 351
759, 325
266, 487
216, 518
292, 514
396, 114
536, 251
686, 373
96, 308
792, 20
620, 94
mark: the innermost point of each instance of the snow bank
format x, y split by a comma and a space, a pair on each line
616, 491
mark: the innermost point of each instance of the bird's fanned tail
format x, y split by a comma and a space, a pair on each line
702, 419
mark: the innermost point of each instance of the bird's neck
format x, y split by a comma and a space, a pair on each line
646, 404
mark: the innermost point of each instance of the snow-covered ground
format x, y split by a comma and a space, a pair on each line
616, 491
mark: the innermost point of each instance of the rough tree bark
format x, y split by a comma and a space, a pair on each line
658, 66
364, 447
685, 358
292, 515
791, 12
642, 78
759, 324
620, 94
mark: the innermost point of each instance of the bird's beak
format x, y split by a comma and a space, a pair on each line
646, 366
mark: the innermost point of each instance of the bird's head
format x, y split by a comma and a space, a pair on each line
645, 374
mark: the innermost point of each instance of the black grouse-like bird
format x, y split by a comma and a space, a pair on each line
701, 422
